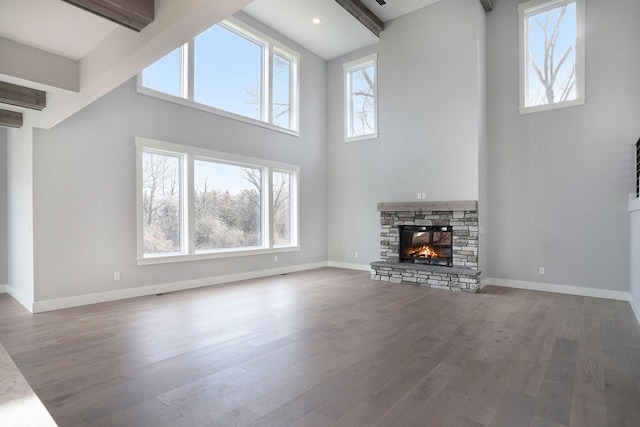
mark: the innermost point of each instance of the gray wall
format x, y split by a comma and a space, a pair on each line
431, 114
559, 180
20, 214
85, 186
4, 276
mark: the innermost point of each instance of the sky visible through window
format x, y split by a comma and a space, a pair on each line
540, 29
164, 74
221, 176
228, 72
363, 101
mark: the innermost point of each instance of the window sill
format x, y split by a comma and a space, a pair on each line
361, 137
548, 107
209, 109
218, 254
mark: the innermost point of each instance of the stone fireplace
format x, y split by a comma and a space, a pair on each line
432, 244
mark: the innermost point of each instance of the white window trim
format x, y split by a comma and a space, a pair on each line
188, 154
270, 46
213, 110
533, 6
348, 117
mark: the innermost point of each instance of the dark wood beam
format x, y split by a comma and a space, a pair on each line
364, 15
487, 4
22, 96
10, 119
133, 14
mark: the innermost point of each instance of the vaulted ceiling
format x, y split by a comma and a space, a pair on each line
77, 56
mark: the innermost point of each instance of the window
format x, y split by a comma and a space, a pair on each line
283, 182
228, 205
551, 54
228, 72
195, 203
231, 70
281, 104
161, 202
360, 80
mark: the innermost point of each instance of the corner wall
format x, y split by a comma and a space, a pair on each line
20, 215
559, 180
85, 188
431, 112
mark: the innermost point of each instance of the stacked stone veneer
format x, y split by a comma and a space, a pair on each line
461, 215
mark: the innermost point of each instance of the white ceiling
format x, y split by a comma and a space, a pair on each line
53, 25
338, 32
66, 30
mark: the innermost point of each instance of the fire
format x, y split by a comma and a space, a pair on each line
425, 251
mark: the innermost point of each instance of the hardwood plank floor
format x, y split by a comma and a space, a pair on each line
329, 347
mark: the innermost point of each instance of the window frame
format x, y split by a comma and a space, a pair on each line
531, 7
269, 47
188, 155
349, 68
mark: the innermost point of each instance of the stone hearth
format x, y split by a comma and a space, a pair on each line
461, 215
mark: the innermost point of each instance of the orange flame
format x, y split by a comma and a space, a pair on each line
425, 251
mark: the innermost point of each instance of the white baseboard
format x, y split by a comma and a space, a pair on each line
21, 297
4, 289
79, 300
349, 266
559, 289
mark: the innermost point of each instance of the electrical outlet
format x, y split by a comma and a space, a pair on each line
424, 196
540, 270
275, 258
419, 196
116, 275
355, 255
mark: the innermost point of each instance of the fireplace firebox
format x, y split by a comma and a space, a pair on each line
426, 245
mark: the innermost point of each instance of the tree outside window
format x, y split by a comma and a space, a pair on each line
227, 201
161, 202
360, 94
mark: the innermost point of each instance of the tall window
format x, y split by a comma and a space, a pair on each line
283, 213
233, 70
161, 201
360, 98
281, 84
195, 203
551, 54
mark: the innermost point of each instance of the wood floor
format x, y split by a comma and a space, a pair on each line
329, 347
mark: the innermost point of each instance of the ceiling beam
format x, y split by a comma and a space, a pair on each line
133, 14
487, 4
364, 15
11, 119
22, 96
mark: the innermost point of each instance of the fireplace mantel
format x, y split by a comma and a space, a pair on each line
454, 205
